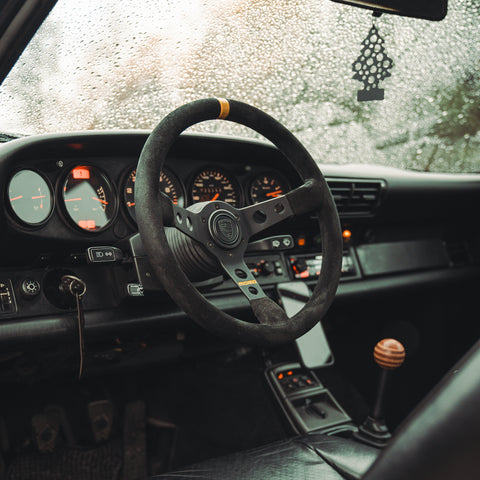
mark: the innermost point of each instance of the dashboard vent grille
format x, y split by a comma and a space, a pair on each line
356, 197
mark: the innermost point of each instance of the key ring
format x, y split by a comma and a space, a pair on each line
73, 280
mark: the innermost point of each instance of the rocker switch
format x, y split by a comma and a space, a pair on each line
7, 298
104, 254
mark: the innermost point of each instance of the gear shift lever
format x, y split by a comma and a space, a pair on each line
389, 354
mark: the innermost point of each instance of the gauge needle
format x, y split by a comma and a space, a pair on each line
130, 204
215, 197
72, 199
274, 194
100, 200
16, 198
38, 196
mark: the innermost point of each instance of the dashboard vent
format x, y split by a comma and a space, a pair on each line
356, 197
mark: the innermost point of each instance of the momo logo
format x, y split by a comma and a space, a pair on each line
226, 228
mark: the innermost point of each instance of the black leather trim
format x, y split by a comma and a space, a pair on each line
310, 457
350, 458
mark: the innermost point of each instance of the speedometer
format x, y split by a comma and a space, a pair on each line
214, 184
89, 198
168, 184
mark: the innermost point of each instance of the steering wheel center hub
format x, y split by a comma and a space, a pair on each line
224, 229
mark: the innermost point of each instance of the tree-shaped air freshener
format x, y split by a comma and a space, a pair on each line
372, 66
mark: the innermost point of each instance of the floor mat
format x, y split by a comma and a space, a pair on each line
101, 463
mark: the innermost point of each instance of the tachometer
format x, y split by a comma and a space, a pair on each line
169, 184
89, 198
30, 197
213, 184
266, 186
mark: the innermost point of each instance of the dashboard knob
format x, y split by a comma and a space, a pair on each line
30, 287
265, 267
389, 354
300, 265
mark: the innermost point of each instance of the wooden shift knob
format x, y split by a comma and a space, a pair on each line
389, 354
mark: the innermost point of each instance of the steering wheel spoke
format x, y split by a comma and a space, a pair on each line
191, 222
261, 216
235, 267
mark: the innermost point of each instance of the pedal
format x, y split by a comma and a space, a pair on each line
101, 419
135, 442
46, 429
58, 413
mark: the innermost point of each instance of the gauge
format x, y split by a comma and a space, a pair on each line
213, 184
169, 184
267, 186
30, 197
89, 198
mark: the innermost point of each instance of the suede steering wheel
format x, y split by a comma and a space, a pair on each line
223, 231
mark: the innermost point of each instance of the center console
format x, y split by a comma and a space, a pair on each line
307, 404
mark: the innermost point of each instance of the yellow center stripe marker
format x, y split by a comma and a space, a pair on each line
224, 108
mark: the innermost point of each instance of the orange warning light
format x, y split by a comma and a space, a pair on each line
81, 173
289, 373
280, 376
87, 224
347, 234
301, 241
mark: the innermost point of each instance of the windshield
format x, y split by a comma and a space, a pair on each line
124, 65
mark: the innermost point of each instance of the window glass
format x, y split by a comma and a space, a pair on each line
123, 65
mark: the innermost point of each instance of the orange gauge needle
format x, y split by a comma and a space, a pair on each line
72, 199
274, 194
100, 200
130, 204
215, 197
16, 198
38, 196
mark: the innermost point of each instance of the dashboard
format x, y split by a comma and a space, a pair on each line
88, 199
66, 194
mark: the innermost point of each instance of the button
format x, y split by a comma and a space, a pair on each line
277, 263
287, 242
279, 271
103, 254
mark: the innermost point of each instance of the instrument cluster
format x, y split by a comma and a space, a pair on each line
90, 201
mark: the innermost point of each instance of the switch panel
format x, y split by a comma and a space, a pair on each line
8, 304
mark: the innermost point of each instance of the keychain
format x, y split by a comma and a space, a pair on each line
77, 287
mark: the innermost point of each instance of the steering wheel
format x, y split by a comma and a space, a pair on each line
215, 233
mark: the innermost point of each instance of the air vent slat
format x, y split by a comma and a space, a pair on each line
356, 197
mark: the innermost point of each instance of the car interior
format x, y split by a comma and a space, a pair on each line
192, 305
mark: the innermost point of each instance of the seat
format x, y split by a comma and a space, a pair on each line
308, 457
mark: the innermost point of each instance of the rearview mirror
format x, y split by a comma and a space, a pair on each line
427, 9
